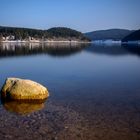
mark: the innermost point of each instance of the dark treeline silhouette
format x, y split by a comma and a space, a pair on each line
135, 36
114, 34
53, 33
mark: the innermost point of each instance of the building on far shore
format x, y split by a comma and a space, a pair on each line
11, 37
8, 38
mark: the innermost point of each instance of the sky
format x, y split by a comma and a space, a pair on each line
82, 15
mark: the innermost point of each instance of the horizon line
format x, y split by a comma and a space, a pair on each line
36, 28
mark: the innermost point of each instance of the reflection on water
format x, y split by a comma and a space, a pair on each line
22, 107
65, 49
93, 94
114, 50
54, 49
133, 49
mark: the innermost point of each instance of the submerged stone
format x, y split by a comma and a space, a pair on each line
22, 89
23, 108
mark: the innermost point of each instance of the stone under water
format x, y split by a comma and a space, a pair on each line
23, 108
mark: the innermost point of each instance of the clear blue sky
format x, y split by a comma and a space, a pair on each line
83, 15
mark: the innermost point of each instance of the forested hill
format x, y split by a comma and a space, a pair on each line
114, 34
135, 36
65, 32
60, 33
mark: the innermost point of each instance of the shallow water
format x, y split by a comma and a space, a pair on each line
95, 92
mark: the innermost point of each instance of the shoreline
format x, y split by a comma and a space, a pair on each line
20, 41
72, 42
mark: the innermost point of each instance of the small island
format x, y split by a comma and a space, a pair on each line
57, 34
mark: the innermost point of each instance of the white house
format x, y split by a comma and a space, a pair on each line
11, 37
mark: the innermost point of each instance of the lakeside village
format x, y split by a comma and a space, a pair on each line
12, 38
62, 34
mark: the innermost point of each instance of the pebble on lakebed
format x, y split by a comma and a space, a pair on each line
22, 89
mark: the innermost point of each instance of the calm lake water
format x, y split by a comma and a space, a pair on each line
94, 92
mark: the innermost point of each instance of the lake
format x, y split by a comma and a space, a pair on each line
94, 91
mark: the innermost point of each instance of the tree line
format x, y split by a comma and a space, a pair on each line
57, 32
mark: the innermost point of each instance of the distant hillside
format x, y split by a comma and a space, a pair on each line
58, 33
115, 34
66, 33
132, 37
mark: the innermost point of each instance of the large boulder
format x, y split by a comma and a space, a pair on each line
20, 89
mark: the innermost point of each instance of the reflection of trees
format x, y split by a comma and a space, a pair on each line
133, 49
113, 50
64, 49
54, 49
